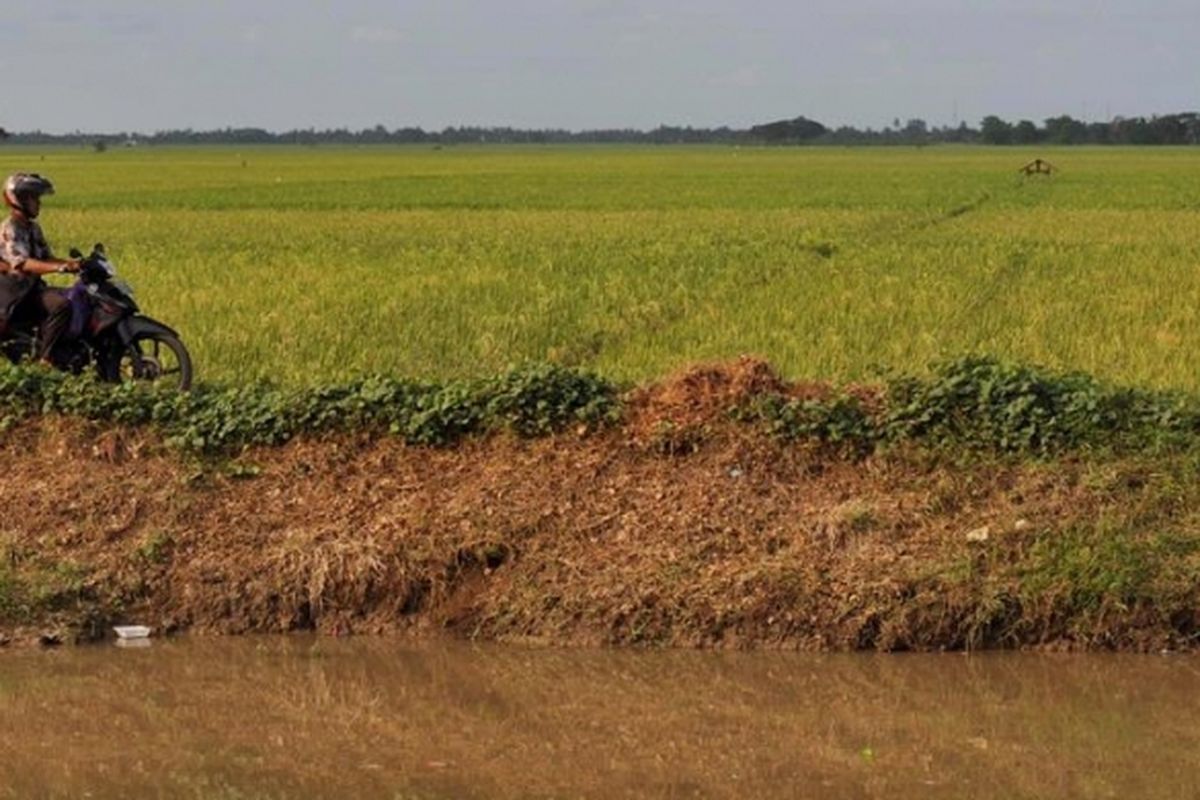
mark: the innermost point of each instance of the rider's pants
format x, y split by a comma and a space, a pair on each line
57, 315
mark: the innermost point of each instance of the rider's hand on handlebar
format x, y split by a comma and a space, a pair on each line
69, 266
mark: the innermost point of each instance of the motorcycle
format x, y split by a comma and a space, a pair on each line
108, 332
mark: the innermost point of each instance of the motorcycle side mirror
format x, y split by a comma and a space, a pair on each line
75, 253
99, 248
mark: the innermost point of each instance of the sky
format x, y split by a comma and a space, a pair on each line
142, 65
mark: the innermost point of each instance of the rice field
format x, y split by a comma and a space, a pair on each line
308, 265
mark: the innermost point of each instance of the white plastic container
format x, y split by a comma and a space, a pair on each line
131, 631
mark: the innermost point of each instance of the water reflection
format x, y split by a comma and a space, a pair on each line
372, 718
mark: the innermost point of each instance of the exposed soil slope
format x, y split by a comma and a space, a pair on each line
679, 527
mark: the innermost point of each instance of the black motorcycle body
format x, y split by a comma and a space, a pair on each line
108, 331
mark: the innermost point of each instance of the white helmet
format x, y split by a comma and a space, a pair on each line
20, 186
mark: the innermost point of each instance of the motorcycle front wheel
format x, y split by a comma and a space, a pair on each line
153, 357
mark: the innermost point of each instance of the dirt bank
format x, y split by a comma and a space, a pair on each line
678, 527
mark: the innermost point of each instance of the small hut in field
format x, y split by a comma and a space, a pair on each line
1038, 167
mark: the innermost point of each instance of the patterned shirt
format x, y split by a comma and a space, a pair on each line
21, 240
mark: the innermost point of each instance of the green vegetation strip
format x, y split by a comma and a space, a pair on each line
530, 400
981, 403
974, 403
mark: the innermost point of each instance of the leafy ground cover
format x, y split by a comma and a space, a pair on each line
972, 405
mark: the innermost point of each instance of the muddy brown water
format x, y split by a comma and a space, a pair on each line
301, 717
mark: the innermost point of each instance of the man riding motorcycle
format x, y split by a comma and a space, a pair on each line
25, 257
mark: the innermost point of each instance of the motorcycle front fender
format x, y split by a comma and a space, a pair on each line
137, 325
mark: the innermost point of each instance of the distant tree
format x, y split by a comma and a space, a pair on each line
995, 130
1065, 130
1191, 121
1025, 132
845, 135
1126, 130
99, 145
375, 135
1172, 129
789, 130
916, 131
963, 133
1099, 133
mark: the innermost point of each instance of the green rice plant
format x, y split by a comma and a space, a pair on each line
305, 266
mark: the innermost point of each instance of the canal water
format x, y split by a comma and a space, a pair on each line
307, 717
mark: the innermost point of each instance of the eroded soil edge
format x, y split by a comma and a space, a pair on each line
678, 527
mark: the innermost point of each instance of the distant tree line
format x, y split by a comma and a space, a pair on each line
1169, 129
